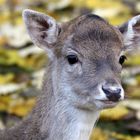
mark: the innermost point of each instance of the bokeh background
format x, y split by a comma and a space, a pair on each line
22, 64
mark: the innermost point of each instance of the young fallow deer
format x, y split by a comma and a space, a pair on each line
82, 77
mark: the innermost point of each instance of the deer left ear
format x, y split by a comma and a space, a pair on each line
131, 33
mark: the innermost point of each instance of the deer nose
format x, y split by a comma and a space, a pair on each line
113, 93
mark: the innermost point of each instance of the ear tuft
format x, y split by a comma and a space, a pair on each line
133, 22
131, 32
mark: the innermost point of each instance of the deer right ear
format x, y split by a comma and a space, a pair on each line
42, 28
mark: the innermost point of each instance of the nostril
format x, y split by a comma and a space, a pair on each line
109, 90
118, 91
112, 93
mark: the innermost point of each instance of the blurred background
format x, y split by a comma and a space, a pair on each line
22, 64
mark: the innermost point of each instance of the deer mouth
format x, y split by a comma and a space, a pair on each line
106, 103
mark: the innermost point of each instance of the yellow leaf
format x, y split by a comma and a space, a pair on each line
22, 108
114, 113
99, 134
6, 78
2, 2
124, 137
3, 40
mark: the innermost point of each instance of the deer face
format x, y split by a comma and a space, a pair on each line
86, 56
88, 59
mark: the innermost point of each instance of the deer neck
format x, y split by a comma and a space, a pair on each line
67, 123
60, 120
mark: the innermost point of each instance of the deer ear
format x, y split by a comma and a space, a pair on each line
42, 28
131, 33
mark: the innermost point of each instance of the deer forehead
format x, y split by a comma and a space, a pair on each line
91, 35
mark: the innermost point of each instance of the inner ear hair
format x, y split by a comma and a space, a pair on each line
42, 28
131, 33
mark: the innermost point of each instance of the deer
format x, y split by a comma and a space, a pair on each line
82, 77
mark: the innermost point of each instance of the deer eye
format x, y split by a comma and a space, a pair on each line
122, 59
72, 59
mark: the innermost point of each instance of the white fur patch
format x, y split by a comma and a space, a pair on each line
86, 124
128, 36
101, 95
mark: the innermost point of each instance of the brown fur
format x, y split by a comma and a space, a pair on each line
98, 46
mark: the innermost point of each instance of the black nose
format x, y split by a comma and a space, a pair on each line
112, 92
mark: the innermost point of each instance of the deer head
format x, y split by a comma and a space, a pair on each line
86, 56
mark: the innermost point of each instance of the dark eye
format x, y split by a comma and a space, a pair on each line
122, 59
72, 59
